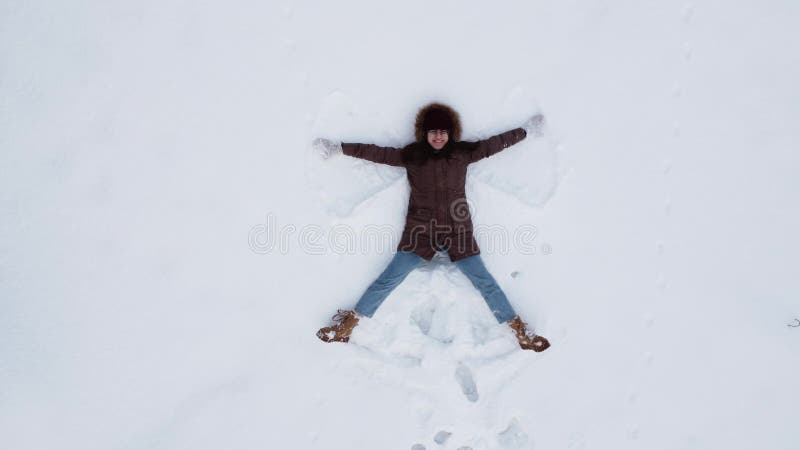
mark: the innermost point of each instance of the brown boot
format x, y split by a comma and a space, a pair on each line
345, 320
527, 339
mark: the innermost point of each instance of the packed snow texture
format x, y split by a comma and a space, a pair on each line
167, 244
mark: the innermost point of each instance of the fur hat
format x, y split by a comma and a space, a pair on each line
437, 116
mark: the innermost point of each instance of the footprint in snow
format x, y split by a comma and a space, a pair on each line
423, 318
512, 438
442, 437
467, 382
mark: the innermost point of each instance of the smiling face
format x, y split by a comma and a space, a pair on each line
437, 138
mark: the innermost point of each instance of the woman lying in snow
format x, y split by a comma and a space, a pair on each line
438, 216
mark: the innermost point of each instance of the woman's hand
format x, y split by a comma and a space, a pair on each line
326, 148
534, 125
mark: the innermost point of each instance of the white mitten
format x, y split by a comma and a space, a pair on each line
326, 148
534, 125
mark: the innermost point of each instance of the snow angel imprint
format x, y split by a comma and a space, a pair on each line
438, 217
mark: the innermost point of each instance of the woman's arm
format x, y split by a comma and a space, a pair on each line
381, 155
495, 144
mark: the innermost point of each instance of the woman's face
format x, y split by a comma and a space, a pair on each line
437, 138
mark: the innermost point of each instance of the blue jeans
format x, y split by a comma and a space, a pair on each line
404, 262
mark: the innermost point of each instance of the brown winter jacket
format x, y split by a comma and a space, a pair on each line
438, 213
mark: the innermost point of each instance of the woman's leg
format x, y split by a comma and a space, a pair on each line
480, 277
400, 266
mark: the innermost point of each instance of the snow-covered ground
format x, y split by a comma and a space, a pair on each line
170, 243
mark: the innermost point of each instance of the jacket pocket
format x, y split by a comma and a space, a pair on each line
419, 219
421, 213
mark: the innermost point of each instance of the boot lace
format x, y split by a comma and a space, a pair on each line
528, 333
525, 331
341, 315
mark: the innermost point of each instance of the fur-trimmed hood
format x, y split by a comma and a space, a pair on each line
419, 132
421, 151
